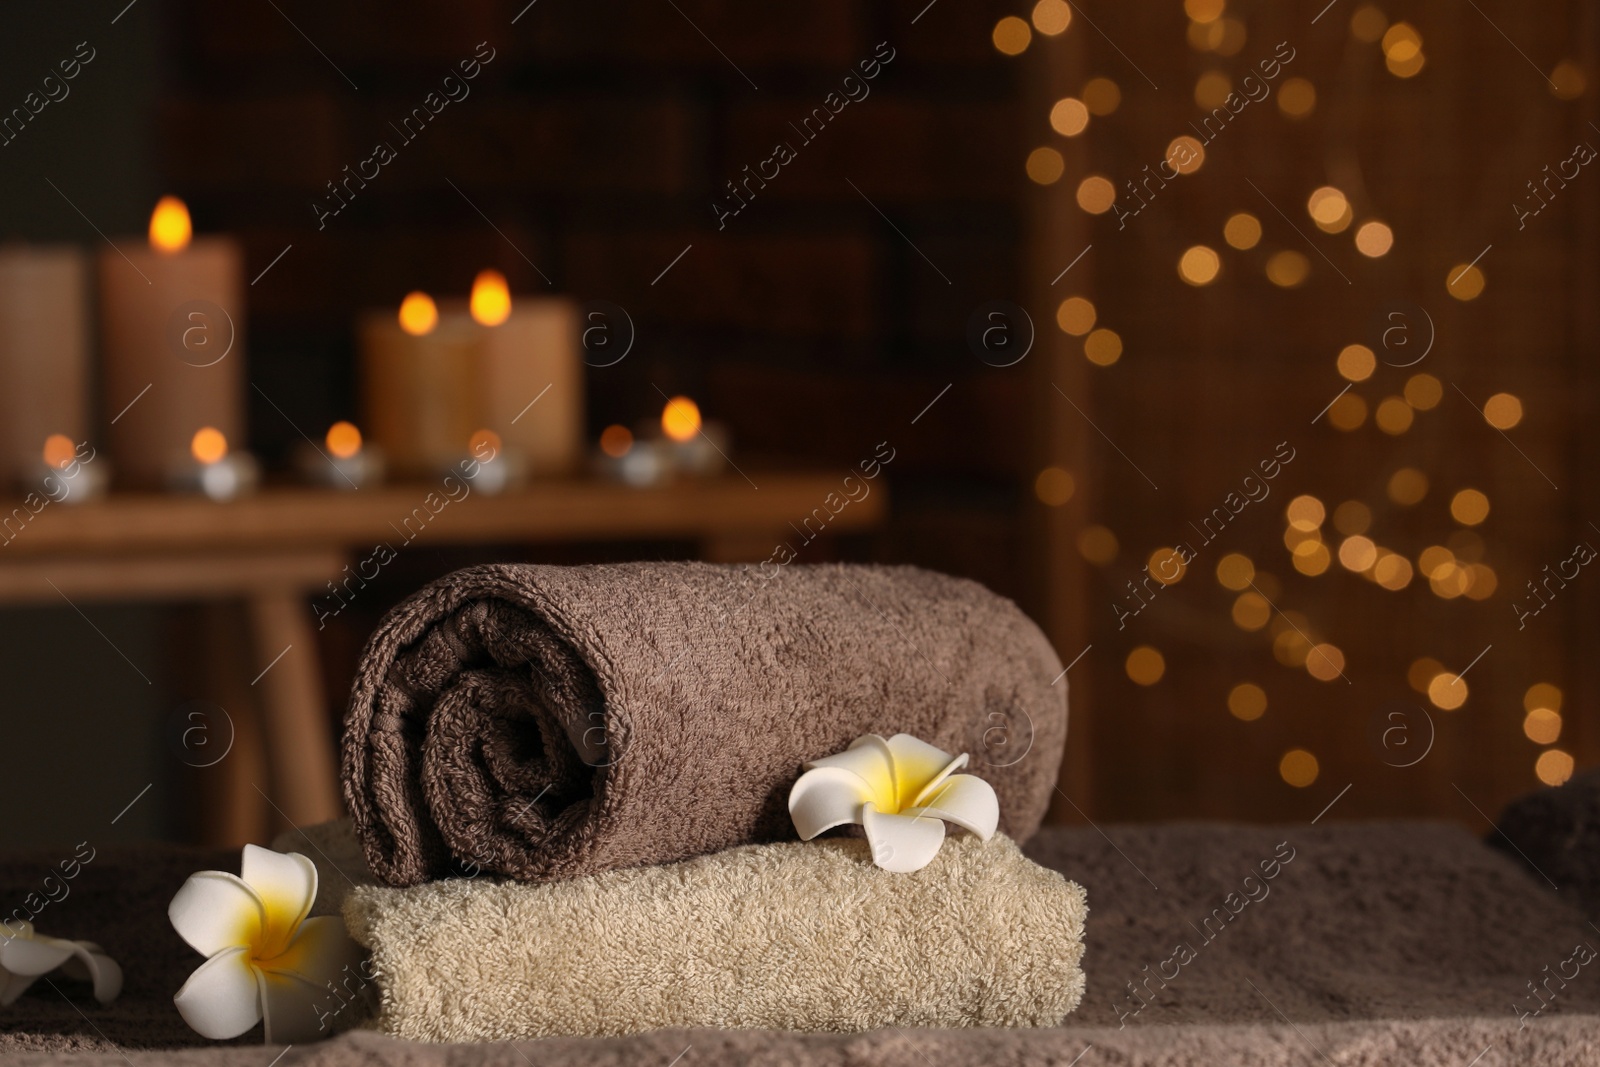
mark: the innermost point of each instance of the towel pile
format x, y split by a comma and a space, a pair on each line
569, 789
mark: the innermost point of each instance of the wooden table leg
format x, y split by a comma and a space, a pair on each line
300, 752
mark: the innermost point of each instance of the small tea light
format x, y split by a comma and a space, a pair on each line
632, 462
211, 469
346, 461
490, 466
65, 476
692, 446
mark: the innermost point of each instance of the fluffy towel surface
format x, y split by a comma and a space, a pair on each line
1556, 832
789, 936
550, 722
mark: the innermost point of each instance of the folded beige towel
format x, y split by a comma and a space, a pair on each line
789, 936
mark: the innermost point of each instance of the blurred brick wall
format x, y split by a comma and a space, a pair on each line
596, 141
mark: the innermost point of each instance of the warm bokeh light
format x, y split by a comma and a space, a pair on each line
1407, 486
1297, 98
1251, 611
1423, 392
1401, 42
1145, 665
1247, 701
1051, 17
59, 450
1325, 662
1352, 518
1075, 316
616, 440
1012, 35
1298, 767
1482, 581
1305, 512
1392, 571
1464, 281
1357, 553
1054, 486
1374, 238
1167, 566
1101, 96
1102, 347
1567, 80
1502, 411
1405, 68
418, 314
1096, 194
1393, 415
1234, 571
680, 419
1542, 726
1288, 269
1329, 209
1542, 695
1098, 545
1204, 10
1311, 558
1347, 412
1368, 23
484, 441
1553, 766
1356, 362
343, 440
491, 298
1447, 691
1199, 265
1466, 545
1469, 507
170, 230
1242, 230
1222, 36
1294, 538
1211, 89
1185, 154
1045, 166
1069, 117
1435, 560
1421, 672
208, 445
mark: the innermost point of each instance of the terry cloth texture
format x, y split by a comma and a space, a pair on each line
1556, 832
788, 936
550, 722
1381, 943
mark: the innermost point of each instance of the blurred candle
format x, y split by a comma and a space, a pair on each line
211, 469
532, 376
172, 331
44, 353
420, 384
345, 462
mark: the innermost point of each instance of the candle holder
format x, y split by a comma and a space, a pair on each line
641, 464
508, 469
346, 462
213, 471
702, 456
66, 473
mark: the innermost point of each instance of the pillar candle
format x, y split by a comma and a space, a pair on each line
533, 355
44, 353
172, 333
420, 385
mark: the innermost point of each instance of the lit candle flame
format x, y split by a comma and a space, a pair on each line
491, 298
680, 419
343, 439
208, 445
615, 441
59, 450
485, 444
170, 230
418, 314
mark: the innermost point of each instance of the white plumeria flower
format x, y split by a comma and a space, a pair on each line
25, 955
901, 790
266, 961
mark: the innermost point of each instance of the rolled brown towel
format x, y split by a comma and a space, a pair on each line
550, 722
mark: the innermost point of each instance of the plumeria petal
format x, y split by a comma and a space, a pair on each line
966, 800
918, 765
13, 986
295, 1009
825, 797
869, 759
90, 963
901, 843
286, 882
222, 998
215, 911
322, 952
33, 956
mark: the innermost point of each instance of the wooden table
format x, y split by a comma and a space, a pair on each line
272, 551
